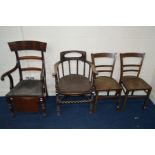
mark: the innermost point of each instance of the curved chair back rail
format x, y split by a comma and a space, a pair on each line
64, 57
27, 45
68, 69
65, 66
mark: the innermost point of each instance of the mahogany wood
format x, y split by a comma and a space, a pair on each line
27, 101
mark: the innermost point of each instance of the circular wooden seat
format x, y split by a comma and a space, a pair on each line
74, 84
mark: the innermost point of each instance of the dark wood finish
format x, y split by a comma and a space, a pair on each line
30, 57
105, 83
73, 87
131, 83
8, 73
31, 69
63, 56
26, 104
27, 45
69, 84
27, 94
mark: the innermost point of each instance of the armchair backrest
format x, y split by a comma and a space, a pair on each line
64, 57
73, 62
18, 46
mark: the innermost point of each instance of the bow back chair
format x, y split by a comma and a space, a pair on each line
73, 79
27, 94
105, 82
132, 83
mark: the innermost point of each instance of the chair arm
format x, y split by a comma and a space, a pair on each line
8, 73
93, 68
55, 69
55, 74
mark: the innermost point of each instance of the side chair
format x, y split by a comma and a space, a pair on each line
105, 82
132, 83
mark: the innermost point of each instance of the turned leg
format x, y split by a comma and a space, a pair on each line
57, 105
46, 89
58, 109
11, 106
116, 93
125, 100
147, 98
92, 104
108, 93
42, 101
119, 100
132, 92
95, 103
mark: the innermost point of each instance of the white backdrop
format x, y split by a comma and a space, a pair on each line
89, 38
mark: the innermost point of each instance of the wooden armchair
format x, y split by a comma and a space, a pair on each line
26, 94
132, 83
73, 79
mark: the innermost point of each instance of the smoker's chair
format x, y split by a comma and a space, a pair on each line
27, 94
132, 83
105, 82
73, 79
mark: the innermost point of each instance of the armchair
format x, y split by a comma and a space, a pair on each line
74, 79
26, 94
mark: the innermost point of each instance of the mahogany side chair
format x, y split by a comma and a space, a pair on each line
132, 83
105, 82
